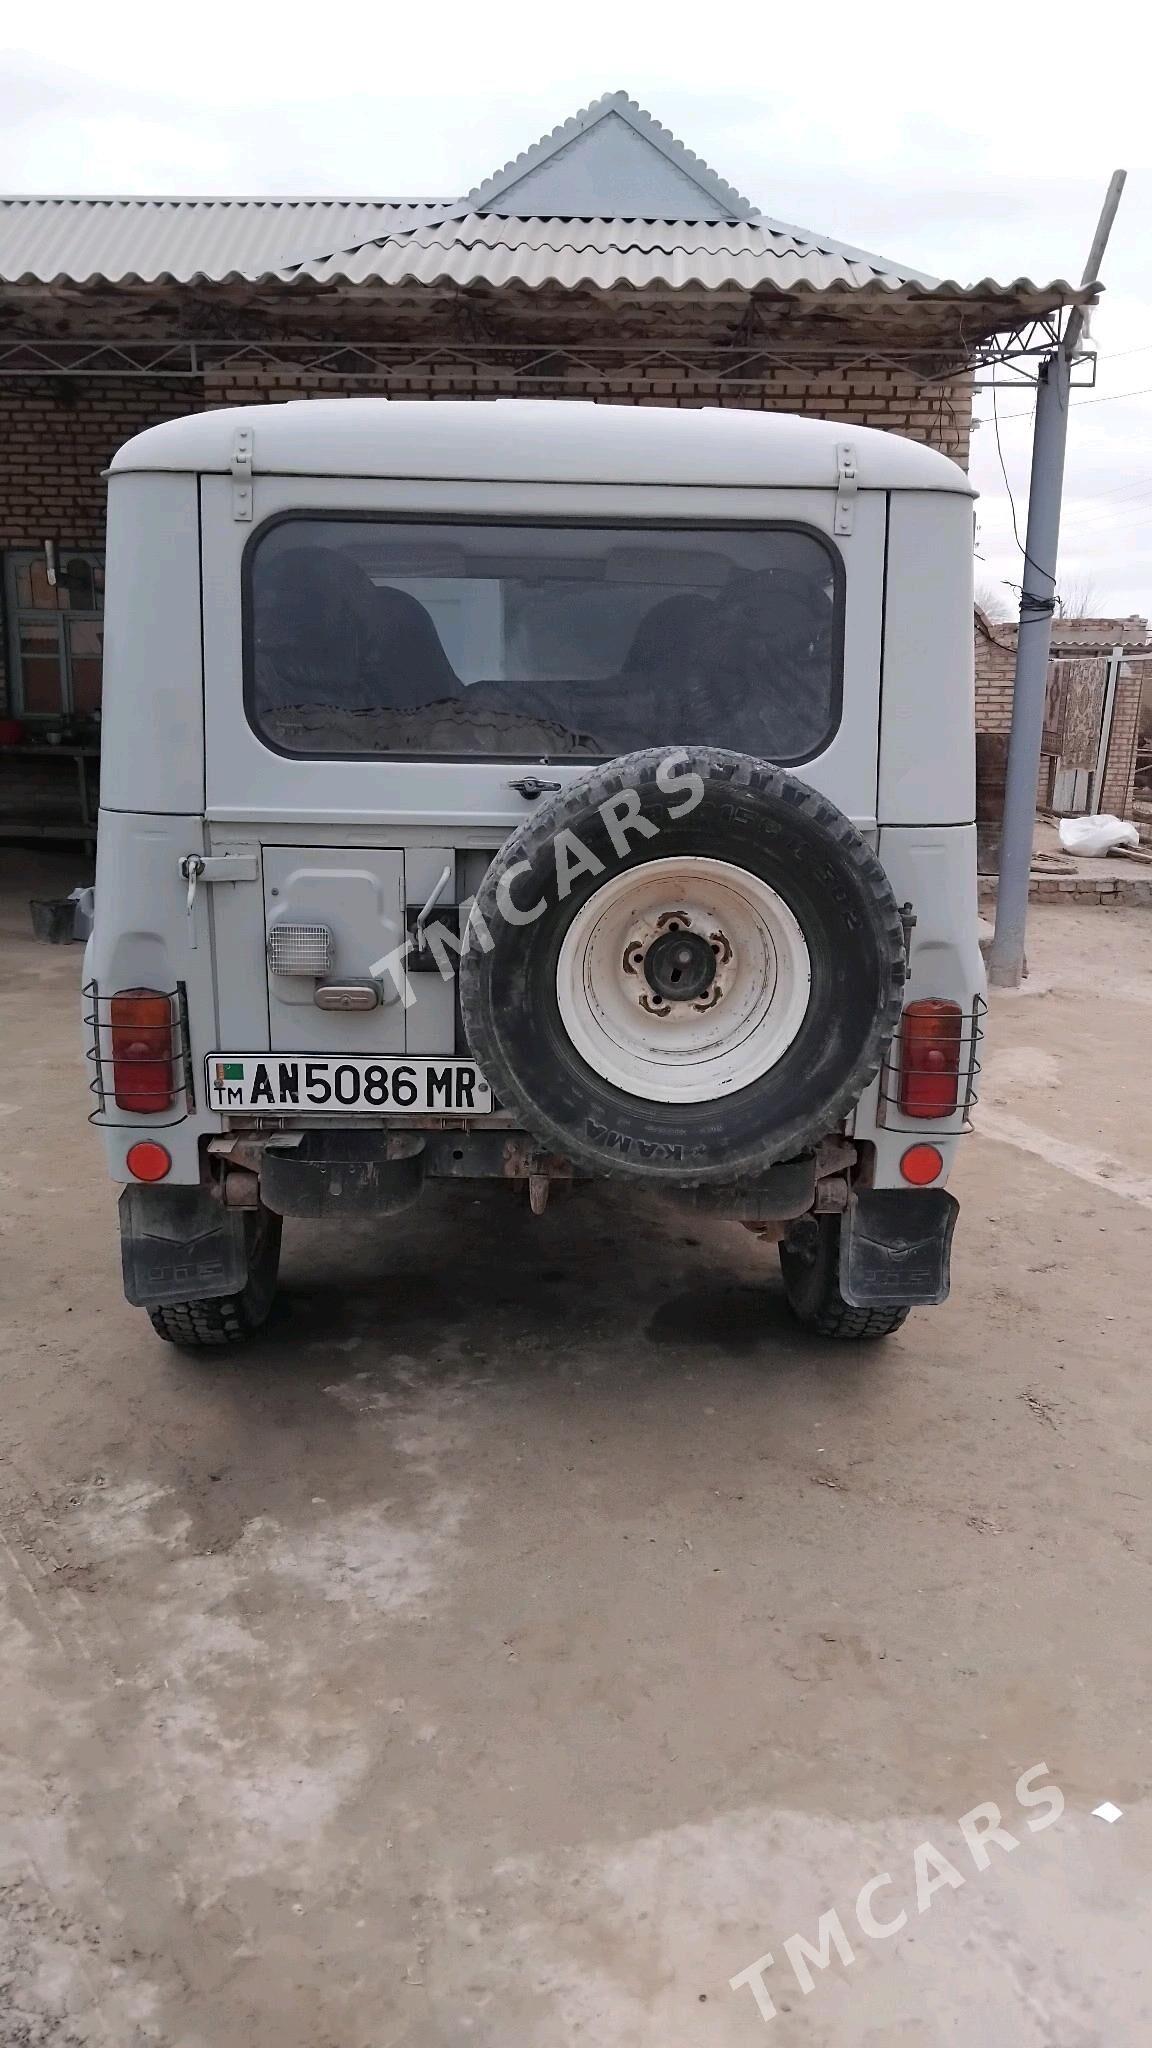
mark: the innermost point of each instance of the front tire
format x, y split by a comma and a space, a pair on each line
810, 1263
222, 1319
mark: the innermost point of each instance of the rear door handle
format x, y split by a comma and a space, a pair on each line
214, 867
221, 867
531, 787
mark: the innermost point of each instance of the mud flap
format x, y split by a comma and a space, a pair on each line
895, 1247
179, 1244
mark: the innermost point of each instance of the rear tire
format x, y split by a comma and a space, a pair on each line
810, 1263
228, 1318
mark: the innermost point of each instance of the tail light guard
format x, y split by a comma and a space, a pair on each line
107, 1085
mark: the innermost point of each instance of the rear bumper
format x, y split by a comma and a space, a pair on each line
326, 1172
182, 1243
366, 1172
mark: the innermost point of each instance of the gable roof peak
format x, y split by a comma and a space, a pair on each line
563, 167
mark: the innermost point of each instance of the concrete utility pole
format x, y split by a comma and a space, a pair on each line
1037, 603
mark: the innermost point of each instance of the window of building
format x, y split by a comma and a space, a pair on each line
55, 610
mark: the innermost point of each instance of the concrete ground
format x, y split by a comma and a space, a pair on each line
534, 1630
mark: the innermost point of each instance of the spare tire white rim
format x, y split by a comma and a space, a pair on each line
615, 994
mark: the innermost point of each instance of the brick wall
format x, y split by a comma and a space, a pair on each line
55, 439
995, 669
895, 400
1072, 633
56, 436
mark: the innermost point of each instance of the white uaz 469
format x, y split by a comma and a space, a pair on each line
535, 791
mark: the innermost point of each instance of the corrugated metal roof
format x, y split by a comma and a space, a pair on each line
418, 241
581, 208
490, 249
642, 255
427, 242
1074, 637
79, 241
1064, 650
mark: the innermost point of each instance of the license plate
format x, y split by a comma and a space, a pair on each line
335, 1084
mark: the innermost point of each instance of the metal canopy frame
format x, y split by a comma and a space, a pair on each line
1021, 357
1011, 358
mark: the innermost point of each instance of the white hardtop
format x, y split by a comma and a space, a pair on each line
534, 440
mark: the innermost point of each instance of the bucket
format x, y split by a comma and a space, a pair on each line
53, 918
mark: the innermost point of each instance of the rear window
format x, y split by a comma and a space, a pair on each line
450, 641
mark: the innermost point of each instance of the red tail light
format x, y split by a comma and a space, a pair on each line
141, 1022
930, 1035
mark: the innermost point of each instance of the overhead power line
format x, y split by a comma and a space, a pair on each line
1109, 398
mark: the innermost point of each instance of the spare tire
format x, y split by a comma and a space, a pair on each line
682, 968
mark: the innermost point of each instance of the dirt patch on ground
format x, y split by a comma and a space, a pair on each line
533, 1629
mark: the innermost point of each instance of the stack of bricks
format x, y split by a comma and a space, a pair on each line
1116, 891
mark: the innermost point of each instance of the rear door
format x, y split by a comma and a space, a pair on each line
359, 842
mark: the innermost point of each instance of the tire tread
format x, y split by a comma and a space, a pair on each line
838, 1320
195, 1324
219, 1319
812, 1288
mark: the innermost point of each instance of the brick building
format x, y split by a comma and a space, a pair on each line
606, 262
1087, 721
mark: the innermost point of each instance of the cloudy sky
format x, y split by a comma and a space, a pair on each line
963, 149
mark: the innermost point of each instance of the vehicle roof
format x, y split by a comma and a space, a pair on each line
534, 440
